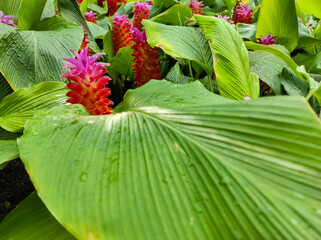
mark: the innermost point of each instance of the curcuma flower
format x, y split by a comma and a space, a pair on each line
196, 7
141, 11
269, 40
122, 36
146, 66
242, 13
88, 83
91, 17
112, 7
6, 19
84, 42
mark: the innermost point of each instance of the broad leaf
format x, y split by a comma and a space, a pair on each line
31, 57
232, 67
167, 168
247, 31
176, 15
180, 42
10, 7
31, 220
30, 13
123, 61
312, 7
292, 84
304, 59
279, 18
267, 67
5, 87
316, 65
175, 75
8, 150
21, 105
230, 3
306, 39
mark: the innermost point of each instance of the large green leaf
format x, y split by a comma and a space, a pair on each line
21, 105
312, 7
10, 7
180, 42
31, 57
181, 163
232, 67
176, 15
279, 18
30, 13
8, 150
123, 61
31, 220
5, 87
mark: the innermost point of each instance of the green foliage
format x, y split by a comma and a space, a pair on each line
8, 150
311, 7
31, 220
175, 15
30, 57
231, 62
123, 61
21, 105
279, 18
180, 162
180, 42
30, 13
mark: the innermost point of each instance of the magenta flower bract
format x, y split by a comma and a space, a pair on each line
242, 13
196, 7
146, 65
225, 18
141, 11
122, 35
6, 19
88, 86
269, 40
91, 17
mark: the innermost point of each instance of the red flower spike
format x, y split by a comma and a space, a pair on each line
146, 64
88, 86
100, 3
269, 40
80, 1
196, 7
122, 36
112, 7
84, 42
122, 1
91, 17
141, 11
242, 13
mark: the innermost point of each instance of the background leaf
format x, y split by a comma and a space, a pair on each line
312, 7
5, 87
279, 18
175, 15
31, 57
10, 7
30, 13
223, 169
231, 66
180, 42
123, 61
31, 220
8, 150
21, 105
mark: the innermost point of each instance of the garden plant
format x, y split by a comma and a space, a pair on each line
163, 119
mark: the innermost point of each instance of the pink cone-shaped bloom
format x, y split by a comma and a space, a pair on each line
225, 18
269, 40
122, 1
242, 13
196, 7
91, 17
141, 11
112, 7
6, 19
122, 35
88, 83
146, 66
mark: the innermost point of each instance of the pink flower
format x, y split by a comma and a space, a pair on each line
242, 13
88, 83
141, 11
91, 17
122, 35
146, 65
225, 18
6, 19
84, 42
196, 7
269, 40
